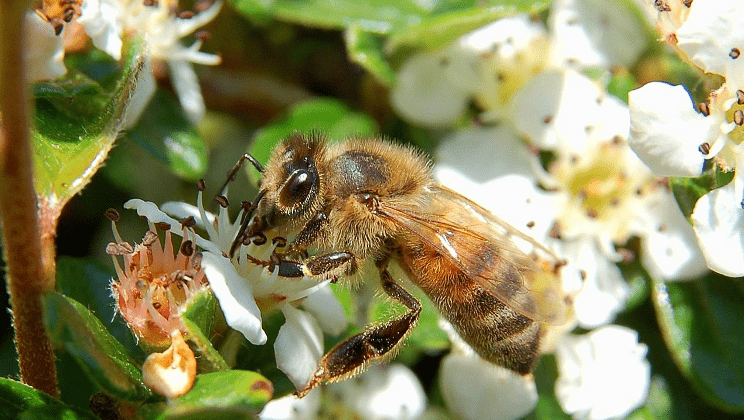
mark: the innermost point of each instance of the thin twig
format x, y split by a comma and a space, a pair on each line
18, 210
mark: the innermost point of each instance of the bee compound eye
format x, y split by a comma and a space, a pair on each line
297, 189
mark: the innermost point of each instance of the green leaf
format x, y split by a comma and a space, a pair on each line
547, 408
88, 283
71, 326
701, 325
74, 83
234, 394
365, 49
438, 30
73, 134
323, 115
20, 401
165, 133
198, 317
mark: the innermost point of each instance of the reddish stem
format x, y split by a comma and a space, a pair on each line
27, 277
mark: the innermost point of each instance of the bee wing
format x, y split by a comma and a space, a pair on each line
465, 233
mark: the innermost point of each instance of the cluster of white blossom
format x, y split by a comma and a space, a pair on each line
109, 23
585, 201
674, 139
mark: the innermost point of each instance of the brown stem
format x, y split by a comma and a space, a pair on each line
18, 210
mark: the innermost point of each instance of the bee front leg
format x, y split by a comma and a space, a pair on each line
326, 266
377, 342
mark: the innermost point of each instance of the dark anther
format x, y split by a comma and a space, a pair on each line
197, 259
150, 3
735, 53
259, 239
704, 148
187, 248
164, 226
112, 215
156, 305
186, 14
739, 117
740, 97
274, 262
203, 36
222, 201
279, 241
188, 222
201, 185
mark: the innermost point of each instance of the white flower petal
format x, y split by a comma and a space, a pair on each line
102, 20
505, 37
187, 26
141, 96
603, 374
482, 154
298, 346
186, 85
151, 211
474, 389
666, 132
384, 392
292, 408
719, 225
235, 296
671, 251
558, 109
594, 33
712, 32
604, 292
327, 310
424, 95
182, 210
44, 53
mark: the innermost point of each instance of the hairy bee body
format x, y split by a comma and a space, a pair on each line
360, 200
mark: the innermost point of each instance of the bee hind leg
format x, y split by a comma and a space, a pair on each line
375, 343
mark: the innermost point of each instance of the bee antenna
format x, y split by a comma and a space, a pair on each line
234, 171
250, 208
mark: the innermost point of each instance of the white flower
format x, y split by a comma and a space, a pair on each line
244, 290
44, 54
105, 21
603, 374
380, 393
490, 64
675, 140
594, 33
475, 389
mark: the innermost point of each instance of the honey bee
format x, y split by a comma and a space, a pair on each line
369, 199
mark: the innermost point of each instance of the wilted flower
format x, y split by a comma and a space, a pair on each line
171, 373
154, 283
245, 290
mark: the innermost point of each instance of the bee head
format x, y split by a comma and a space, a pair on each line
291, 181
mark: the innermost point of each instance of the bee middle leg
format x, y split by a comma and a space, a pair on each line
377, 342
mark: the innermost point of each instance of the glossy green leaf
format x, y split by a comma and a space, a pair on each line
198, 317
366, 49
72, 327
73, 134
235, 394
701, 325
88, 283
439, 29
165, 133
73, 84
324, 116
547, 408
19, 401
